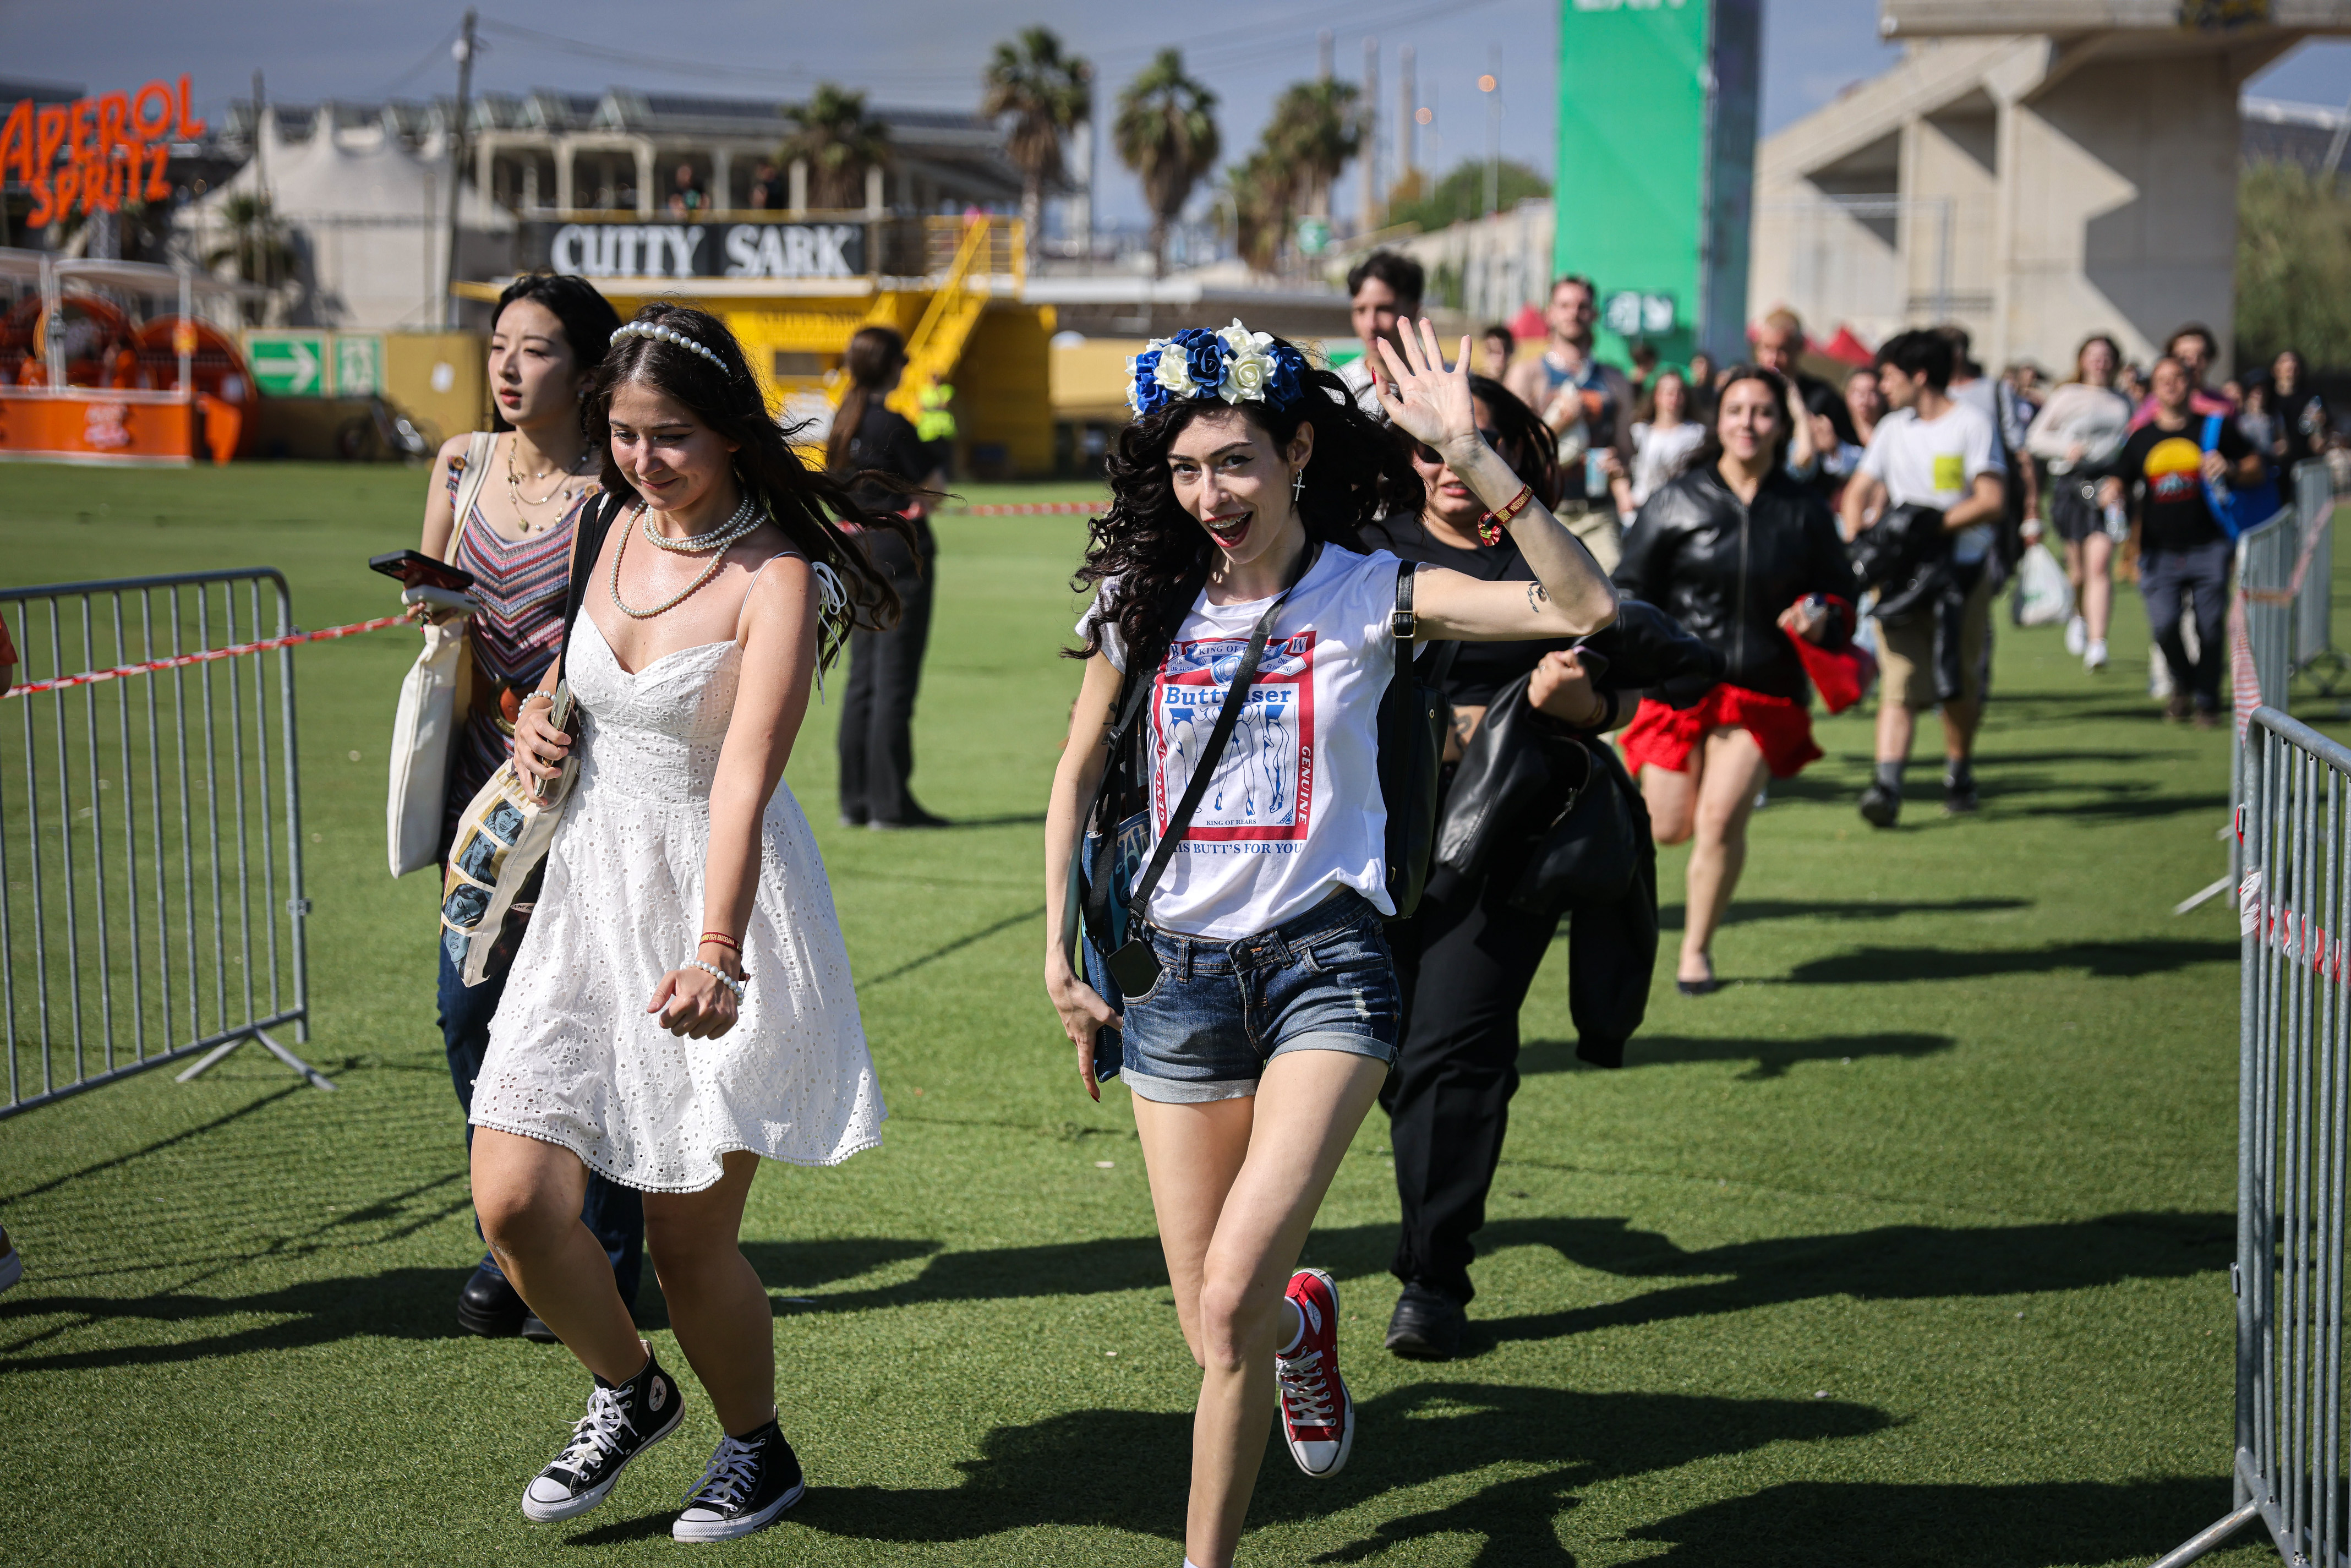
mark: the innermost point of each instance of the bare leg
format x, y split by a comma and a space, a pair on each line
717, 1307
1672, 798
1735, 771
1895, 724
2073, 567
2098, 587
527, 1194
1307, 1108
1961, 717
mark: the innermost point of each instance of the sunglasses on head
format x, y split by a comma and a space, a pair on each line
1430, 454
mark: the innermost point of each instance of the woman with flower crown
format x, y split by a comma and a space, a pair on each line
1225, 752
681, 1006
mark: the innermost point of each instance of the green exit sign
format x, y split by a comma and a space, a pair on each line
290, 364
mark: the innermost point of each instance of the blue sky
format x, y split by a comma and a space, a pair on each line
930, 53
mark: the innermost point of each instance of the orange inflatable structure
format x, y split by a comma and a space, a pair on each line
83, 380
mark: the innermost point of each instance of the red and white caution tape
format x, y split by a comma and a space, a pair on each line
92, 677
1035, 508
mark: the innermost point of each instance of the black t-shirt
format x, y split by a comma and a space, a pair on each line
885, 441
2166, 469
2303, 424
1480, 669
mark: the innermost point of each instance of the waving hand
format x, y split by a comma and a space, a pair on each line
1424, 399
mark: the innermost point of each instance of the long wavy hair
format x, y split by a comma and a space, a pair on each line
873, 353
1158, 553
1708, 453
809, 505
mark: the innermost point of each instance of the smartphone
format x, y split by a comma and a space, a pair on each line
416, 570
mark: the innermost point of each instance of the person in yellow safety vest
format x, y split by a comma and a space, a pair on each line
936, 421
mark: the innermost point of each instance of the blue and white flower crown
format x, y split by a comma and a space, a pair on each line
1236, 364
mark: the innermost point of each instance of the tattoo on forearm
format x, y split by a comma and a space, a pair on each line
1536, 597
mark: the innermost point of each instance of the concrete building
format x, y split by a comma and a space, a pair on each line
2035, 170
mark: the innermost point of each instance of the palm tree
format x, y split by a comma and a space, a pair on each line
839, 142
256, 246
1261, 192
1047, 93
1317, 127
1167, 135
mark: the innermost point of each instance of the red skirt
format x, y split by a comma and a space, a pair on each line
1662, 736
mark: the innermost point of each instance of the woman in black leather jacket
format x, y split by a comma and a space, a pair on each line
1464, 959
1743, 556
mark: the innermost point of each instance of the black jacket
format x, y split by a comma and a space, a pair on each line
1726, 569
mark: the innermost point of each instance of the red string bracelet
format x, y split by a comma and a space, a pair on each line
722, 939
1489, 527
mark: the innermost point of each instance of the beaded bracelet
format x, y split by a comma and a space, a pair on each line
723, 977
1489, 527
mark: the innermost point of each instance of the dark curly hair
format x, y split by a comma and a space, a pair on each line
1158, 552
809, 505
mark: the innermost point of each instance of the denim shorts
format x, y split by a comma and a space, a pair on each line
1324, 980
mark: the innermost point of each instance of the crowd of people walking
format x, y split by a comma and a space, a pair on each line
1390, 676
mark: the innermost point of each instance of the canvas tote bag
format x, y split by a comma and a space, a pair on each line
431, 708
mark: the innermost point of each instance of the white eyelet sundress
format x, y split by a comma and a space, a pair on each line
574, 1058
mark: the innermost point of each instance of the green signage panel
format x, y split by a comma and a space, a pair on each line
1656, 174
359, 363
290, 364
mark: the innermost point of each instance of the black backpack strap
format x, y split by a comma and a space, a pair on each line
1229, 718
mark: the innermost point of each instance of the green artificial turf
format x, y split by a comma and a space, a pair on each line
1910, 1246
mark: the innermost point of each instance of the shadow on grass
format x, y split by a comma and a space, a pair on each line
1755, 911
1772, 1058
2030, 1525
1126, 1470
2100, 960
1898, 1262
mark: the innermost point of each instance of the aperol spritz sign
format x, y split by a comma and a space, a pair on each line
95, 154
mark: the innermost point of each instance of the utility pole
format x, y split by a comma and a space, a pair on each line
1370, 217
1325, 53
464, 51
1490, 84
1407, 120
257, 232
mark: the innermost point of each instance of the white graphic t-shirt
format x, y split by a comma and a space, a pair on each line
1293, 808
1934, 462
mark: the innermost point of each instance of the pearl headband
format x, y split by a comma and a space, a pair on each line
668, 335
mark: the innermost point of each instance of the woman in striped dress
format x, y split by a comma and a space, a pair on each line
535, 479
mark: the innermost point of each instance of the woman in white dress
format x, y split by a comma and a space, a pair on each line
681, 1006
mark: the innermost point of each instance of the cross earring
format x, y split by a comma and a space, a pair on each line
1296, 487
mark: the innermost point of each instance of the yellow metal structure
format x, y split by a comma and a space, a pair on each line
964, 322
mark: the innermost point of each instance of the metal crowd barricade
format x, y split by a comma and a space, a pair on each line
2293, 1146
2313, 610
151, 831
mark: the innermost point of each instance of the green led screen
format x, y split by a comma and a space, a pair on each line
1657, 159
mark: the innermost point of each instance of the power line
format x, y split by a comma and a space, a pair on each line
432, 57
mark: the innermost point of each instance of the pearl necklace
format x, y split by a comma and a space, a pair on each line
744, 521
715, 541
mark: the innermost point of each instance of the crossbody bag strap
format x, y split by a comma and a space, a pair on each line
587, 542
478, 449
1229, 718
1404, 624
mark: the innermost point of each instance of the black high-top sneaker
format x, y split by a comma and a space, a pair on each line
622, 1421
748, 1483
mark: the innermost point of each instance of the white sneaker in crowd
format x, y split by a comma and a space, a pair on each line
2077, 636
2094, 659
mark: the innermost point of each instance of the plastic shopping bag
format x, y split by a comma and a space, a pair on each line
2043, 596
